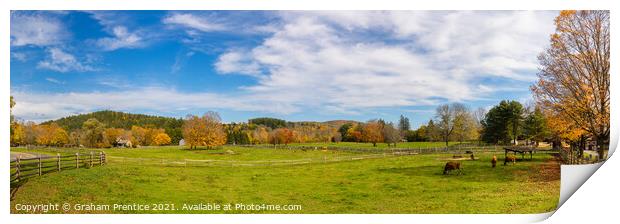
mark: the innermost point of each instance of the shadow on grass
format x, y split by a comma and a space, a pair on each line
477, 172
15, 187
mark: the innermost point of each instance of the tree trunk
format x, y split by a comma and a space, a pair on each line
600, 142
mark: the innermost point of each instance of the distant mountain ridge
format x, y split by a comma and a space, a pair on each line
115, 119
172, 126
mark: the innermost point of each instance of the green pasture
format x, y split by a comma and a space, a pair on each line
402, 184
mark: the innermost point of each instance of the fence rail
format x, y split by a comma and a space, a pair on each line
418, 150
22, 169
572, 156
250, 163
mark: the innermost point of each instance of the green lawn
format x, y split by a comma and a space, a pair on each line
407, 184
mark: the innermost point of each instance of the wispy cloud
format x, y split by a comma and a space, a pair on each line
188, 20
55, 81
36, 29
180, 60
308, 62
122, 38
116, 24
45, 106
61, 61
434, 57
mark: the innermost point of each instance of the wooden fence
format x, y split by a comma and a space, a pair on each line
22, 169
416, 150
249, 163
571, 156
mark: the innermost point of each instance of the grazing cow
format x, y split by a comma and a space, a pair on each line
510, 158
494, 161
452, 166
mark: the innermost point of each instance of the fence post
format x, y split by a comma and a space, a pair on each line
17, 168
77, 160
39, 165
90, 160
100, 158
58, 160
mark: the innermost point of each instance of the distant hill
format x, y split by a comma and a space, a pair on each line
114, 119
338, 123
172, 126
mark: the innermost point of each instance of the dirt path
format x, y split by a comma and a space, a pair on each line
25, 155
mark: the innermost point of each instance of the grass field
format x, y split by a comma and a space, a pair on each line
405, 184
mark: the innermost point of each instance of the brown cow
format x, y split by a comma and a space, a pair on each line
452, 166
510, 158
493, 161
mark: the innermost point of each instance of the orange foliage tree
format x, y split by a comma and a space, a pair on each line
574, 76
161, 139
204, 131
372, 132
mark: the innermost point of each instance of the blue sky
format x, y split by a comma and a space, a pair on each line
295, 65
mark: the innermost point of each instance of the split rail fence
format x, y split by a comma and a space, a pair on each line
249, 163
24, 168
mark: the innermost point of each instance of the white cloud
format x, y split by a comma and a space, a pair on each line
236, 62
338, 62
194, 22
352, 60
36, 29
19, 56
61, 61
122, 38
53, 80
40, 107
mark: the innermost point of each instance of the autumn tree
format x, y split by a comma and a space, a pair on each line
260, 135
372, 132
140, 135
51, 135
30, 133
354, 133
467, 128
76, 137
18, 134
161, 139
113, 134
93, 133
574, 75
204, 131
281, 136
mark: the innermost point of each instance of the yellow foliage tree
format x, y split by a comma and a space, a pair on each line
18, 135
204, 131
161, 139
112, 134
574, 77
51, 135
